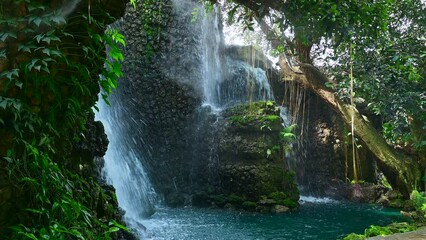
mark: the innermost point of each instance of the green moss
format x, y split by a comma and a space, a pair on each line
248, 205
271, 118
393, 228
283, 199
268, 107
235, 199
354, 236
275, 148
289, 203
377, 231
241, 120
277, 196
419, 201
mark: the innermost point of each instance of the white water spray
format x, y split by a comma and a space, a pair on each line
225, 80
212, 65
123, 165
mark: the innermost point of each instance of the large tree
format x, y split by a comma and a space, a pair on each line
378, 51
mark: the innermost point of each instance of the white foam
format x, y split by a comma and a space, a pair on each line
311, 199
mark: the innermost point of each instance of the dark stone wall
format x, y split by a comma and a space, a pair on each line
161, 70
187, 146
322, 147
322, 154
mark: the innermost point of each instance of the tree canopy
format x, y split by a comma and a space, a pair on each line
379, 46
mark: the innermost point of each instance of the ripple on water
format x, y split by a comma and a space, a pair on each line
325, 219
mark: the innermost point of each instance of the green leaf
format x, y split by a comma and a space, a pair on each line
30, 236
268, 152
19, 84
35, 210
3, 104
115, 223
329, 85
39, 37
8, 159
6, 35
24, 48
10, 74
113, 229
37, 21
3, 54
46, 69
50, 38
32, 8
31, 65
133, 2
46, 51
58, 19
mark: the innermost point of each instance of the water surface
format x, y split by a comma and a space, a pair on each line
323, 219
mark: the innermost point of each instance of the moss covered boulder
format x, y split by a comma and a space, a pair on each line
252, 169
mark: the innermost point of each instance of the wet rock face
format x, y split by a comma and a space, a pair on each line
251, 153
159, 90
86, 154
248, 169
194, 154
326, 160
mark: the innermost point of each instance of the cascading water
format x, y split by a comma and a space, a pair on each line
194, 58
211, 60
123, 165
227, 80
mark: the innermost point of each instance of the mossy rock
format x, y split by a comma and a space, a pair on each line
236, 199
354, 236
257, 116
254, 108
392, 228
277, 196
248, 205
219, 200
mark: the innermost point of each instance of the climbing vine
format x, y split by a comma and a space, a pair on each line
153, 20
52, 64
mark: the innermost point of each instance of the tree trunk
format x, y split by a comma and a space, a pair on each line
405, 168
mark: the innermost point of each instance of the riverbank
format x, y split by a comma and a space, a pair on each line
419, 234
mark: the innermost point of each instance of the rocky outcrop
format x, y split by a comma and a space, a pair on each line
251, 170
189, 147
322, 155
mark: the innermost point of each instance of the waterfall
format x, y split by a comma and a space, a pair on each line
211, 61
123, 165
193, 63
229, 79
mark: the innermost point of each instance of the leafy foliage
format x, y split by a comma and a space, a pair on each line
387, 38
390, 75
153, 21
419, 201
374, 230
50, 81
